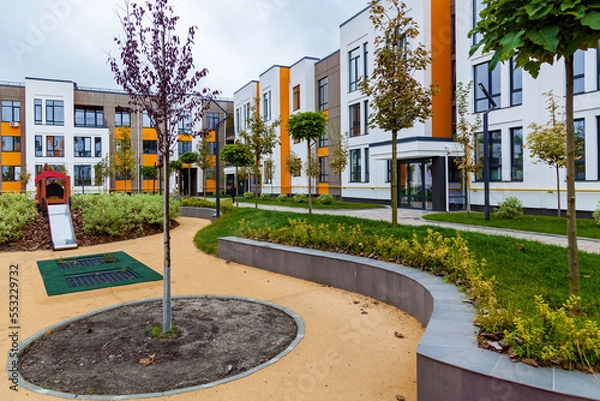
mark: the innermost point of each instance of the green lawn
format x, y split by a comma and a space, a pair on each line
541, 224
522, 268
304, 205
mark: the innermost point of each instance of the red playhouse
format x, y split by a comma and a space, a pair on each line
48, 191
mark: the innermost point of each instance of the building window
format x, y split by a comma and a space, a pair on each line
579, 71
366, 113
11, 111
388, 173
11, 143
516, 84
39, 146
37, 111
579, 149
82, 146
212, 119
365, 60
516, 146
353, 69
367, 166
247, 111
491, 81
82, 174
238, 119
122, 118
149, 147
324, 141
354, 114
97, 147
296, 99
324, 169
89, 117
478, 7
184, 146
146, 122
55, 146
267, 106
495, 153
11, 173
184, 126
55, 112
355, 166
323, 93
212, 148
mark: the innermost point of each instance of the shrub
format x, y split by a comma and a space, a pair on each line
596, 214
509, 208
325, 199
282, 198
16, 211
265, 196
226, 206
300, 197
248, 195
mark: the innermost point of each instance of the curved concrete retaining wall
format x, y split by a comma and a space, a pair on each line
450, 366
198, 212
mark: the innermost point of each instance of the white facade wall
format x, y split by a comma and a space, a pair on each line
61, 91
270, 86
243, 99
538, 186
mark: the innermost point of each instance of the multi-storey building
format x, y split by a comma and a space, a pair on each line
73, 129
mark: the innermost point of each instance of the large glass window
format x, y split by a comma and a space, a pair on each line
296, 97
122, 118
478, 7
324, 169
365, 59
367, 166
82, 174
39, 141
55, 112
184, 126
89, 117
516, 84
491, 81
184, 146
355, 166
324, 141
238, 119
82, 146
353, 69
11, 111
146, 122
366, 113
98, 147
11, 173
37, 111
150, 147
323, 94
495, 155
55, 146
354, 119
267, 106
11, 143
212, 119
516, 140
579, 71
580, 149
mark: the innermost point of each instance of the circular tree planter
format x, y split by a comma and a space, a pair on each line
119, 353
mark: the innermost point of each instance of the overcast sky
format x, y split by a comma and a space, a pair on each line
236, 40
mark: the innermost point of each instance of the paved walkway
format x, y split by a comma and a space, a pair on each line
349, 351
415, 218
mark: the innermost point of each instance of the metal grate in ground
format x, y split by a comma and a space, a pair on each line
110, 276
84, 262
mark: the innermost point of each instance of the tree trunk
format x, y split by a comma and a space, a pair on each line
394, 180
237, 185
574, 287
166, 326
309, 177
558, 189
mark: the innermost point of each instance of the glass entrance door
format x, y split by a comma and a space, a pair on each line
415, 185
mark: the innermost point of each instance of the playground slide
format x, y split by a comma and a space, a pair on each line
61, 227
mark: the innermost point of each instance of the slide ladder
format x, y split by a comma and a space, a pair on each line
61, 227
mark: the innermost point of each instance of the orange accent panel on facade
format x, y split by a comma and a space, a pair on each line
7, 130
11, 186
441, 68
149, 159
11, 158
284, 79
149, 134
323, 188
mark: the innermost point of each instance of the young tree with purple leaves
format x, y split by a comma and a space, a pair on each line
157, 69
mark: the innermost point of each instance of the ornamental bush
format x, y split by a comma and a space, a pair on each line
282, 198
509, 208
325, 199
300, 197
16, 211
264, 196
248, 195
596, 214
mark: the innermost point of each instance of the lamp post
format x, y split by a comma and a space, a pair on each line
218, 173
486, 152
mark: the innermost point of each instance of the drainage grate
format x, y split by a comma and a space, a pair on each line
110, 276
84, 262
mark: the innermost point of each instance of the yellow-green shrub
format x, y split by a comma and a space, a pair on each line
16, 211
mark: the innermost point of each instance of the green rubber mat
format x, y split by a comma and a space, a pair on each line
91, 272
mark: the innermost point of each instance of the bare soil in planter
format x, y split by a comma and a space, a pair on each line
114, 352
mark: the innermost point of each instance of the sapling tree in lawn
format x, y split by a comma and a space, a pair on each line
124, 162
269, 167
102, 171
239, 155
537, 32
308, 126
262, 138
293, 164
189, 158
205, 161
465, 135
399, 99
156, 67
547, 143
338, 153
